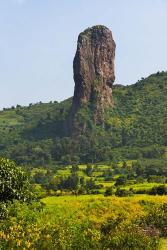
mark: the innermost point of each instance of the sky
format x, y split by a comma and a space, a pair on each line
38, 40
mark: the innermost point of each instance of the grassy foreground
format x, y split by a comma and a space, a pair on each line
87, 222
163, 244
130, 203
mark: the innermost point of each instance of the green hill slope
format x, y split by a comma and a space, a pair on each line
135, 127
142, 111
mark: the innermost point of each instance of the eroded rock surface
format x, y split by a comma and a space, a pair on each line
94, 70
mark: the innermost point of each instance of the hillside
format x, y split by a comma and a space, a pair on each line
37, 134
142, 111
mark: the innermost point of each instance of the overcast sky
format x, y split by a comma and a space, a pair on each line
38, 42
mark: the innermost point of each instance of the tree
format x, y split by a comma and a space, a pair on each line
123, 192
109, 191
71, 182
13, 182
66, 159
120, 181
160, 190
124, 165
74, 169
89, 170
139, 169
90, 184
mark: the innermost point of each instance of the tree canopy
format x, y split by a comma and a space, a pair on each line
13, 182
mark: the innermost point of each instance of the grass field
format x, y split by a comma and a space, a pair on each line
163, 244
84, 199
87, 222
129, 205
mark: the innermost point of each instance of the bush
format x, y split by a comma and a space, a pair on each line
157, 217
160, 190
13, 182
123, 192
109, 191
14, 185
118, 234
120, 181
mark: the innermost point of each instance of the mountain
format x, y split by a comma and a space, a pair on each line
94, 74
102, 122
134, 127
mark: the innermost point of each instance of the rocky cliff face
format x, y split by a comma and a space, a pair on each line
94, 71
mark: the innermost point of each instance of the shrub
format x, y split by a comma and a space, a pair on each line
120, 181
121, 235
157, 217
13, 182
123, 192
160, 190
14, 185
108, 191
